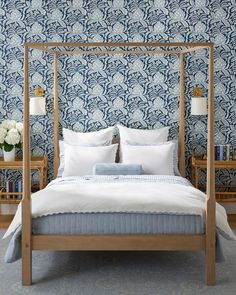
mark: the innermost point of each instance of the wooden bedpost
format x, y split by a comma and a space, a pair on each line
26, 202
56, 118
181, 118
210, 268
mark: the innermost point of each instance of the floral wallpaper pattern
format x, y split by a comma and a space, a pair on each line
137, 91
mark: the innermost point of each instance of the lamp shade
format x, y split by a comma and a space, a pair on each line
199, 106
37, 106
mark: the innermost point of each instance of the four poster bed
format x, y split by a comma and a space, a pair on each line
205, 241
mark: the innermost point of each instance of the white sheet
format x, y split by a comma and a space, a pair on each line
114, 195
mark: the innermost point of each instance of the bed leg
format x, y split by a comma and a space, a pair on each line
26, 265
26, 202
210, 265
210, 268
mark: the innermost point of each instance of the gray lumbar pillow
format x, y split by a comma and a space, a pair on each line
117, 169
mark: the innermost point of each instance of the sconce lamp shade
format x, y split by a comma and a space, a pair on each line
199, 106
37, 106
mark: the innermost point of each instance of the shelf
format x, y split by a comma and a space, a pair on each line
197, 161
10, 193
36, 163
226, 197
225, 193
9, 201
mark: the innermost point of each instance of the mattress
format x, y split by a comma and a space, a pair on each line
107, 223
118, 223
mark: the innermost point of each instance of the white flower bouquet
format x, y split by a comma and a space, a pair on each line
11, 135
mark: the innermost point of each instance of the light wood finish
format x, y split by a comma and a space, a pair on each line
5, 220
117, 44
56, 117
12, 200
140, 243
232, 221
125, 52
210, 267
119, 242
11, 193
228, 194
193, 49
226, 197
26, 202
36, 163
198, 161
181, 119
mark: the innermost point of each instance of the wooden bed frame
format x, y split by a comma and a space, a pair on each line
120, 242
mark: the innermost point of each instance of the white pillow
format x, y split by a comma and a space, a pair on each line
62, 154
79, 160
157, 160
62, 158
175, 155
143, 136
88, 138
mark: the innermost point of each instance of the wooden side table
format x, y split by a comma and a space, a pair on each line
228, 193
37, 163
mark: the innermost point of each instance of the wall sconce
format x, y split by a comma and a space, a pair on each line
37, 103
198, 103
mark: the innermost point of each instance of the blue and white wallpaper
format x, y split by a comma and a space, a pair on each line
137, 91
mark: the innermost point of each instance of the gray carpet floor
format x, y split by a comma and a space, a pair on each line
116, 273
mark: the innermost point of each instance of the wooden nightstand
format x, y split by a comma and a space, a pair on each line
37, 163
224, 193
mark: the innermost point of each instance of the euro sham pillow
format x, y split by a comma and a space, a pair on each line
155, 160
117, 169
62, 154
175, 155
88, 138
143, 136
80, 160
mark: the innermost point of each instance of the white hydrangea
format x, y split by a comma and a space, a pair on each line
19, 127
3, 133
8, 124
13, 137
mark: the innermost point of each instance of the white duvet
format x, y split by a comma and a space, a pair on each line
121, 194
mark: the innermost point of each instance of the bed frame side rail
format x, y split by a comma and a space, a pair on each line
119, 242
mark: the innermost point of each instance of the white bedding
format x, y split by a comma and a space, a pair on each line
121, 194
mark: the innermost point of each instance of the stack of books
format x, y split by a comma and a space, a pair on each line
13, 186
223, 152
